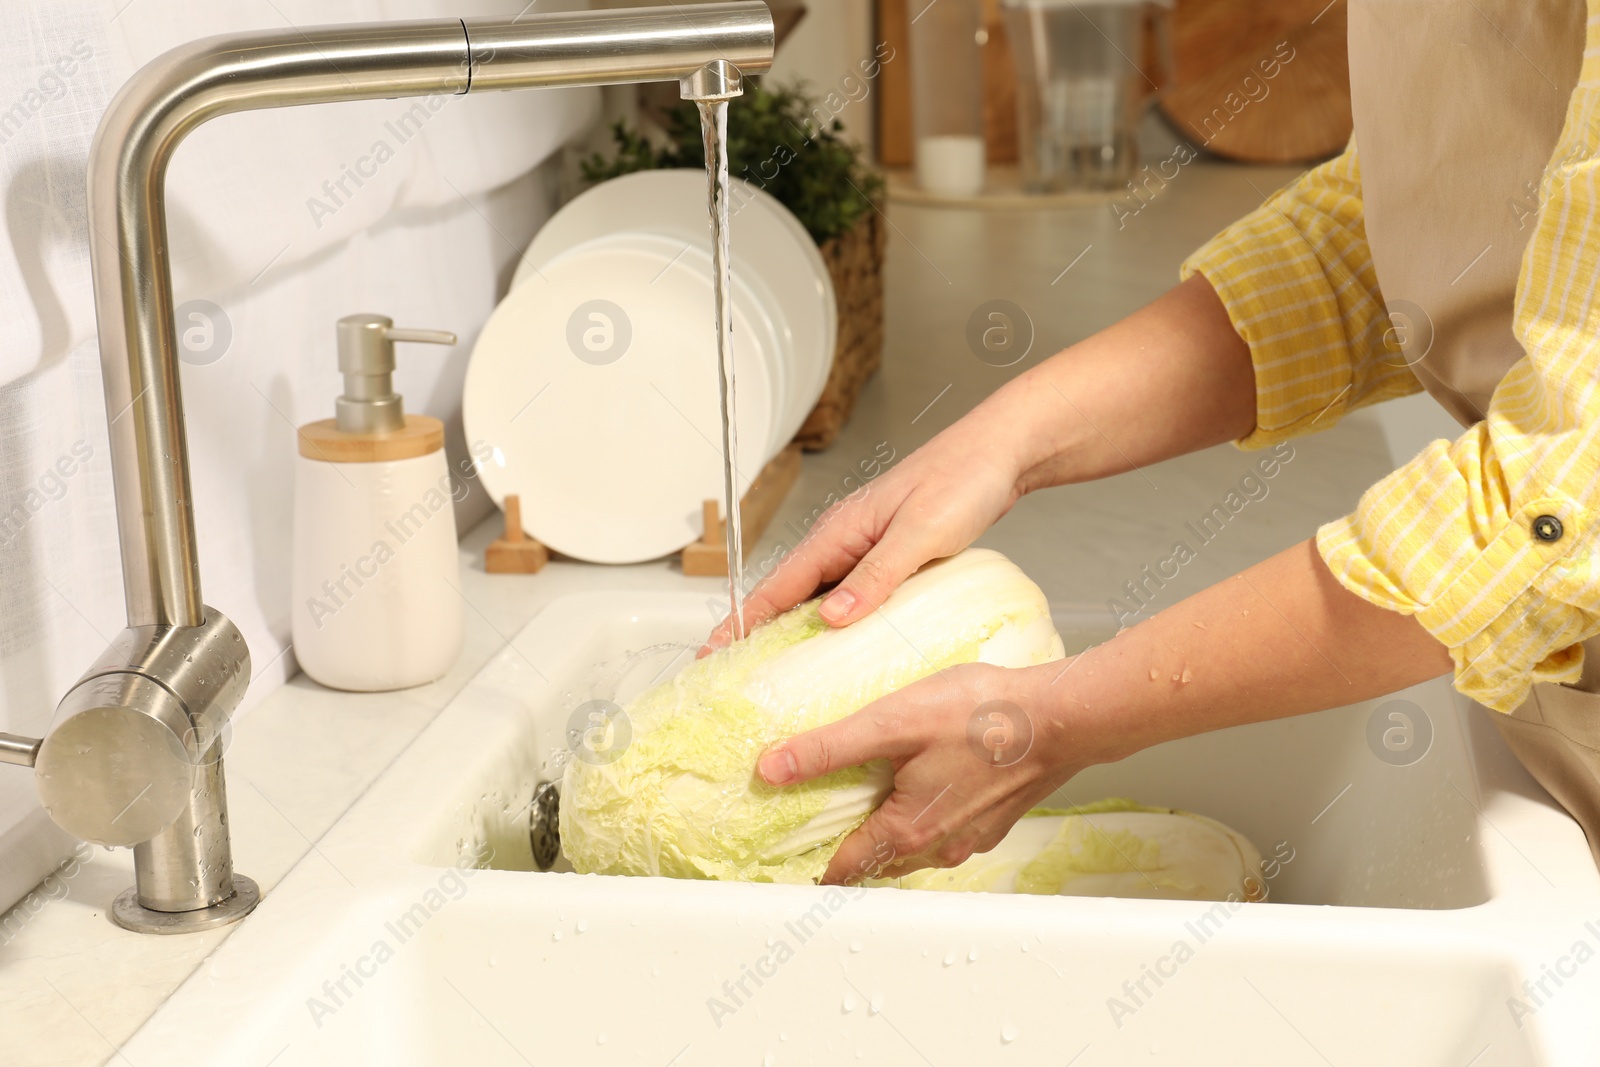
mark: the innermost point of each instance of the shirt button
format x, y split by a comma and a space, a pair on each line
1547, 528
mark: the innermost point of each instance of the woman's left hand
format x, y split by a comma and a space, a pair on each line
974, 747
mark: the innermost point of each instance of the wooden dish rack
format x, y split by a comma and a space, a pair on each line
514, 552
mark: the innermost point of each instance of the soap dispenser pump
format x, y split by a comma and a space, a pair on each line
376, 565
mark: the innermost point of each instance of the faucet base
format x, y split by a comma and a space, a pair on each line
128, 913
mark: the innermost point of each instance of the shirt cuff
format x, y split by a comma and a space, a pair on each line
1511, 607
1297, 281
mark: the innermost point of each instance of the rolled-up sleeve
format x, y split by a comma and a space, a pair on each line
1297, 280
1490, 540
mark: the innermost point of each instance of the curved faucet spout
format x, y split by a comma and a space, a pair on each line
192, 84
144, 124
185, 869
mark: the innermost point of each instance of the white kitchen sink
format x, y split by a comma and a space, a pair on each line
1411, 898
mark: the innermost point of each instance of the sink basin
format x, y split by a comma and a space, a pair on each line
1414, 890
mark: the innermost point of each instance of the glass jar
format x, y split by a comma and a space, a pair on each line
1082, 87
947, 38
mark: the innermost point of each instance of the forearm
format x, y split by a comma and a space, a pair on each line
1171, 378
1282, 638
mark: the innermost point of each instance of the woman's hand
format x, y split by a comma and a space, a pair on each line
935, 503
974, 747
1169, 379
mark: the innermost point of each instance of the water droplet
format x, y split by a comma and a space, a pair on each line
972, 957
875, 1005
600, 1039
1008, 1033
1025, 946
949, 959
849, 1004
556, 936
494, 961
855, 946
583, 924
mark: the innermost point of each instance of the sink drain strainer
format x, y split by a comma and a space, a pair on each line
544, 833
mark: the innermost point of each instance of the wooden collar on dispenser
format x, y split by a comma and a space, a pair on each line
418, 435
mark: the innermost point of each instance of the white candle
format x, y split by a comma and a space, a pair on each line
951, 165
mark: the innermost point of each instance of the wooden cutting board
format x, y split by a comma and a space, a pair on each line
1261, 82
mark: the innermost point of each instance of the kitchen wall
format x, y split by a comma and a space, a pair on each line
827, 51
281, 222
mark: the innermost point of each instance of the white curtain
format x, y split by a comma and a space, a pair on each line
283, 220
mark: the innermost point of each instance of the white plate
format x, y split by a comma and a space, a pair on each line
773, 256
608, 425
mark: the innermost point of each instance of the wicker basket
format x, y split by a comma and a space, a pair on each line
855, 263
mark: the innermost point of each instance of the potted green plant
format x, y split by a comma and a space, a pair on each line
776, 143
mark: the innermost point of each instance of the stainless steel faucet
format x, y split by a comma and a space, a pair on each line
133, 756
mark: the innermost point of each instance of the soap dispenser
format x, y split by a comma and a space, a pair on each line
376, 566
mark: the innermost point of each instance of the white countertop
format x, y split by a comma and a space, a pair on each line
73, 987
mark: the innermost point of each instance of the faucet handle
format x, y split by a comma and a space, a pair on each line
137, 742
19, 750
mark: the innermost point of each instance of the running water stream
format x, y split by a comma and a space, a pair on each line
714, 133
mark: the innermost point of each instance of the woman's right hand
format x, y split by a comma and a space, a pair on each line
1171, 378
935, 503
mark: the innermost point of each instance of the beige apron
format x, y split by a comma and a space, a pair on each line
1458, 106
